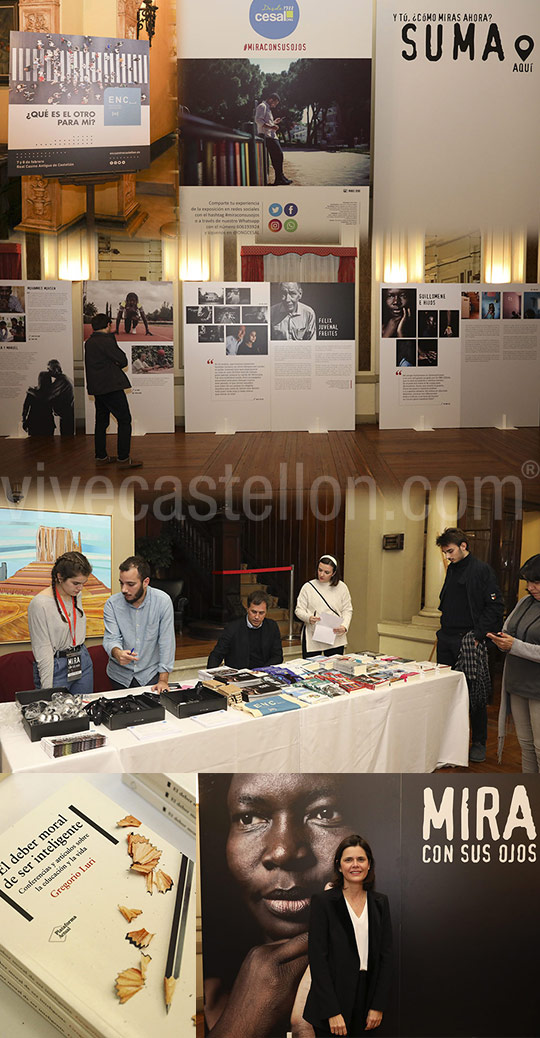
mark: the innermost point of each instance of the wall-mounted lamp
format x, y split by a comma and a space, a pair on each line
146, 19
15, 493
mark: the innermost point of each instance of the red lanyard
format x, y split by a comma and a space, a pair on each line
72, 632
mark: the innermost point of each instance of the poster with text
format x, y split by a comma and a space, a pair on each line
36, 359
455, 88
459, 355
269, 356
142, 320
444, 850
77, 104
275, 103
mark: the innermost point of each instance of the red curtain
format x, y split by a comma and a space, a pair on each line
253, 258
346, 268
10, 261
253, 268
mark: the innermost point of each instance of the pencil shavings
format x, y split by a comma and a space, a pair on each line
140, 938
128, 983
162, 881
149, 882
145, 960
145, 856
128, 820
129, 913
133, 838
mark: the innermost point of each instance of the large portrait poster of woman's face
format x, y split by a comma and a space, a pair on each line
455, 854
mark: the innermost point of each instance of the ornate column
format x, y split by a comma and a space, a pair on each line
127, 18
443, 506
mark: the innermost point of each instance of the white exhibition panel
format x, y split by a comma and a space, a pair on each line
329, 191
459, 355
411, 728
454, 91
42, 309
277, 383
151, 397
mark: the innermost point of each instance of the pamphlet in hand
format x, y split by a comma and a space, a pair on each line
324, 629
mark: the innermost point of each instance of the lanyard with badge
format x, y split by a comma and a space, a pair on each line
73, 658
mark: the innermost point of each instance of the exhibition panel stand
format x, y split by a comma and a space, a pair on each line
412, 728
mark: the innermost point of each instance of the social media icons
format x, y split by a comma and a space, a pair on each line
289, 210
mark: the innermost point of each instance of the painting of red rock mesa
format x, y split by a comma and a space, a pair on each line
17, 590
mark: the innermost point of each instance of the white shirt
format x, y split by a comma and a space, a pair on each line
361, 933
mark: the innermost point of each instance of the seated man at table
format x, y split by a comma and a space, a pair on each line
252, 641
139, 631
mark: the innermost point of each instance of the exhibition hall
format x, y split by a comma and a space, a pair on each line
269, 517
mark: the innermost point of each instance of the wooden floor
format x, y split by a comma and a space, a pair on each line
290, 461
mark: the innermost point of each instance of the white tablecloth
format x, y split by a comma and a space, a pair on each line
407, 728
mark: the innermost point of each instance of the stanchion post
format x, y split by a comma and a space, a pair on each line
291, 598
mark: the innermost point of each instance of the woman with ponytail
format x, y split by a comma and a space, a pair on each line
326, 594
57, 627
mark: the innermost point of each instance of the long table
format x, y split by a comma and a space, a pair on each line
407, 728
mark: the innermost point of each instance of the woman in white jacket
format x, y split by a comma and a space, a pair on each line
326, 594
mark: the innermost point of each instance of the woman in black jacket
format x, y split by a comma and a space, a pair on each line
350, 947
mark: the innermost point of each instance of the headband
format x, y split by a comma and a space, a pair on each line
331, 557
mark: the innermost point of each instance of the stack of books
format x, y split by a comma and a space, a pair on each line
97, 919
173, 795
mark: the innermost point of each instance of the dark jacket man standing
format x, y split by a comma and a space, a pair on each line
106, 382
470, 601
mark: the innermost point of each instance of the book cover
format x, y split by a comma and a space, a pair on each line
64, 871
271, 705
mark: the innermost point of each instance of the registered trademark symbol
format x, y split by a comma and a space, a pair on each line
530, 469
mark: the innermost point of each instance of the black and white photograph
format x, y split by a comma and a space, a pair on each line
255, 314
236, 295
308, 310
209, 296
199, 315
211, 333
226, 314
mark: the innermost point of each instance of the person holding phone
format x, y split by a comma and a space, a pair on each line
520, 640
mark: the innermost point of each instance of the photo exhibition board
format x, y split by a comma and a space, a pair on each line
459, 355
455, 89
85, 101
446, 849
318, 60
142, 316
31, 541
269, 356
36, 359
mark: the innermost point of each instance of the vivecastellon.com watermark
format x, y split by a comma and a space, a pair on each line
256, 499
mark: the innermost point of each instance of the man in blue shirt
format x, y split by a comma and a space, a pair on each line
139, 631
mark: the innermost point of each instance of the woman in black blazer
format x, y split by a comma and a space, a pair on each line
349, 952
